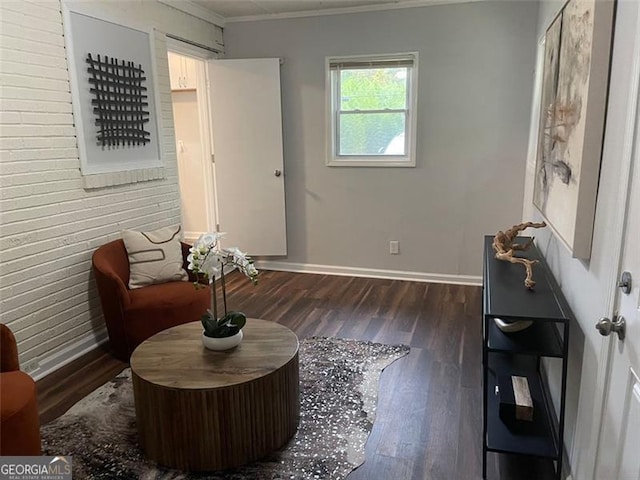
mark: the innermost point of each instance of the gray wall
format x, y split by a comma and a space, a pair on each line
548, 10
475, 84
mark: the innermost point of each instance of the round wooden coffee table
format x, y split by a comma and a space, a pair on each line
202, 410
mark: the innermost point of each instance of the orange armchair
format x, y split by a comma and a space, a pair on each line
19, 420
132, 316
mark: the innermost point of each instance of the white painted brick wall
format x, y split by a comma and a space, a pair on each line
50, 225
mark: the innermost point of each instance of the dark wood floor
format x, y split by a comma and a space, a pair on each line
429, 416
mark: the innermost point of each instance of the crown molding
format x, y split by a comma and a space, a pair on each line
195, 10
345, 10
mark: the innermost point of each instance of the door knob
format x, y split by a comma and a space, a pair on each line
277, 173
606, 326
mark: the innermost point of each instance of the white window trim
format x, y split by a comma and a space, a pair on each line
408, 160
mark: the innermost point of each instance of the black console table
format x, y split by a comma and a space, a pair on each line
520, 354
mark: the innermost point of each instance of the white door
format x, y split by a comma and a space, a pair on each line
617, 455
247, 143
619, 443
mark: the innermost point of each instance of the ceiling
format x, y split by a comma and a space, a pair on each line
238, 9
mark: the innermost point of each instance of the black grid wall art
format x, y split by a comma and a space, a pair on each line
119, 101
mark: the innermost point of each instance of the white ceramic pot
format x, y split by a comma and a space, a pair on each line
220, 344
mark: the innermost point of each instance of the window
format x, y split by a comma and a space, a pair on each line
371, 109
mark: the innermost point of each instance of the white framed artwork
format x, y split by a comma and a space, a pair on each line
116, 105
572, 118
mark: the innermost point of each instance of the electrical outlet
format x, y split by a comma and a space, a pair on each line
394, 247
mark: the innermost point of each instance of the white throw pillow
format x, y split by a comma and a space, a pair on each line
154, 257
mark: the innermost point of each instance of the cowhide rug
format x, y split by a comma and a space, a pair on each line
338, 392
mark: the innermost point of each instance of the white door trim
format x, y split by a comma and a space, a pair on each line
202, 89
627, 150
188, 49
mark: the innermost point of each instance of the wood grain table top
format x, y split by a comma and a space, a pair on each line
176, 358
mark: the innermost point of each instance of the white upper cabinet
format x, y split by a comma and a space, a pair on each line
189, 73
182, 72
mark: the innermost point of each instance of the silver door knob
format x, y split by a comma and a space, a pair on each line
277, 173
606, 326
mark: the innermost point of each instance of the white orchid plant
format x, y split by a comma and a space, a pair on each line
207, 259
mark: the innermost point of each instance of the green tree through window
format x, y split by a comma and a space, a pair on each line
372, 111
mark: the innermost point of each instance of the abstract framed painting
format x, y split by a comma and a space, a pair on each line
572, 119
116, 105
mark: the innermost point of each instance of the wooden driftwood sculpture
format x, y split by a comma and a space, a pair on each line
505, 246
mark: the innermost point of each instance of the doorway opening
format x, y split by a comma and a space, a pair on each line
194, 148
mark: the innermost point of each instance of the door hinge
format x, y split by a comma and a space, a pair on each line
217, 227
213, 158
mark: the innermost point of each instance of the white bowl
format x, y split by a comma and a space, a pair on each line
511, 327
220, 344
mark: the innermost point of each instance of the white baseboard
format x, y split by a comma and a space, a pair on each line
191, 237
83, 345
369, 273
